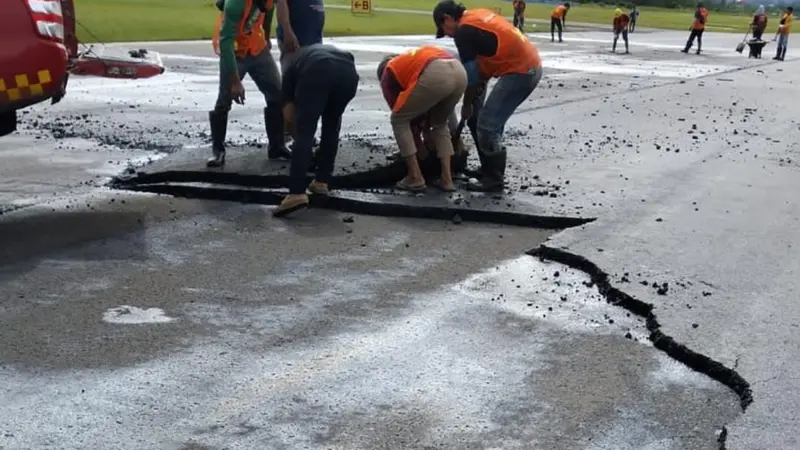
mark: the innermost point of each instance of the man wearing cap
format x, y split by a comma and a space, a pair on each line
490, 47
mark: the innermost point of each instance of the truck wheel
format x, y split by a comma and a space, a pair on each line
8, 122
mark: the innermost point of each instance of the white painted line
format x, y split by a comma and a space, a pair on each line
633, 43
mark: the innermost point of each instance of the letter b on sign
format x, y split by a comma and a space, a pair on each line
361, 6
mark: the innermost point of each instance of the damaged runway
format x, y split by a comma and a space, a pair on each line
131, 320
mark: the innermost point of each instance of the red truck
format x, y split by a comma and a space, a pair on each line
39, 51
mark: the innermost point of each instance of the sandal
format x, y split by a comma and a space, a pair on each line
444, 189
404, 186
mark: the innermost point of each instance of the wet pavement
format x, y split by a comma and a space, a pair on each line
137, 321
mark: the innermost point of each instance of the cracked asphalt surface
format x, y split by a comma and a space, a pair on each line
138, 321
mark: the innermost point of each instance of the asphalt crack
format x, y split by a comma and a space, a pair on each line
662, 341
365, 206
268, 190
667, 344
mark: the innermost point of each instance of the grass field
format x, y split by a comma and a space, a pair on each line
153, 20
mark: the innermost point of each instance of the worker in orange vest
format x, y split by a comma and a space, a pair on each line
558, 19
241, 39
698, 26
423, 85
489, 47
519, 14
784, 28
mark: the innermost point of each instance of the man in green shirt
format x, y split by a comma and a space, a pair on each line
242, 42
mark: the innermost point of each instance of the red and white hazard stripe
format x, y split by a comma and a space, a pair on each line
48, 17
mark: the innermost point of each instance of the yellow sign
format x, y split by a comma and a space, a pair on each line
361, 7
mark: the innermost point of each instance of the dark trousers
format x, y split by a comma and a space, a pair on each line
555, 23
757, 33
519, 21
323, 91
632, 25
695, 34
264, 72
624, 33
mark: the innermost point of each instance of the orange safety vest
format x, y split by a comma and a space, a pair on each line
559, 12
408, 66
696, 24
250, 39
515, 53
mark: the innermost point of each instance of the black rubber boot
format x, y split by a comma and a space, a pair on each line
778, 54
477, 173
219, 128
273, 118
493, 179
473, 131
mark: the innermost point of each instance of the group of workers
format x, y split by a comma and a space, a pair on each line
422, 87
759, 25
757, 28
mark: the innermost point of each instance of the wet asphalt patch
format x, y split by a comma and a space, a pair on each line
370, 200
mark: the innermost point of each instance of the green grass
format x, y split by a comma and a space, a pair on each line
674, 19
153, 20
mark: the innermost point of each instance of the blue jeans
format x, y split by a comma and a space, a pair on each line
783, 40
489, 119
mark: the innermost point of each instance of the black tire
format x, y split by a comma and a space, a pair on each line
8, 122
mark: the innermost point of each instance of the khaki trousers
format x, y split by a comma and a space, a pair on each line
437, 92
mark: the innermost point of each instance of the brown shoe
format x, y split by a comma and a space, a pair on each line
290, 204
318, 188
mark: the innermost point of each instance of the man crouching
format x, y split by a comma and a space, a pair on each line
427, 83
319, 83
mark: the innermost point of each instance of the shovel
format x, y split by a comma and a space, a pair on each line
459, 128
740, 46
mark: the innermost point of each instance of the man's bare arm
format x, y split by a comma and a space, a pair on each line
283, 16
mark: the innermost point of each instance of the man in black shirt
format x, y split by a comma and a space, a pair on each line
319, 83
